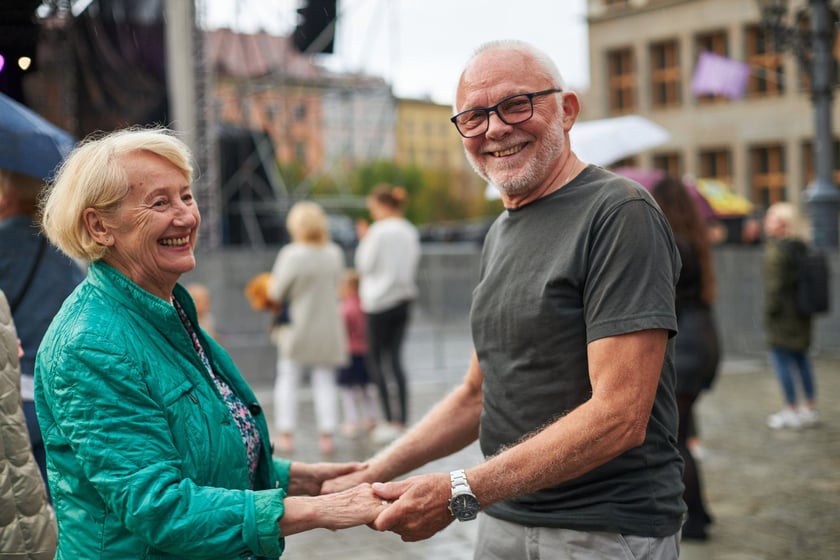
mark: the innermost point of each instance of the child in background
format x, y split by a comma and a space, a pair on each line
358, 400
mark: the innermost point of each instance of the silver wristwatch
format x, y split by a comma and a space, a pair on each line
463, 505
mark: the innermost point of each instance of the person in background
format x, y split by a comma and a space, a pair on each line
36, 278
27, 524
358, 400
697, 354
570, 388
386, 260
788, 332
306, 276
203, 307
156, 445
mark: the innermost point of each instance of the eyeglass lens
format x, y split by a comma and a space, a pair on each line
513, 110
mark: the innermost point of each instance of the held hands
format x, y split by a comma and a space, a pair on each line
419, 507
309, 478
356, 506
349, 479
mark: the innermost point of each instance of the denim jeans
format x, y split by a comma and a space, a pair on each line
784, 363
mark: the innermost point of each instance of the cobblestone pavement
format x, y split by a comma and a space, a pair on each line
774, 495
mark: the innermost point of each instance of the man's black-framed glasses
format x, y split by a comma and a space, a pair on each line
514, 109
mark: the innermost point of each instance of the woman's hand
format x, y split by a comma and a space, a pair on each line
356, 506
307, 478
348, 480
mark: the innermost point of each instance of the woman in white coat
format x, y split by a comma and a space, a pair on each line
306, 278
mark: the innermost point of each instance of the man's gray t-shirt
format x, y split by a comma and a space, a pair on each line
594, 259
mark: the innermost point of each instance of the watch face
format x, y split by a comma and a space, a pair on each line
464, 507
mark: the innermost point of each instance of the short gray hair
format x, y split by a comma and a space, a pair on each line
543, 61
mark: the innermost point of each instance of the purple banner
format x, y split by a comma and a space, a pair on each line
719, 75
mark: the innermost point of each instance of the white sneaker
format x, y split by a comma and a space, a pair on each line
808, 417
787, 418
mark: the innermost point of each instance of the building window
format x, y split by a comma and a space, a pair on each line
767, 174
716, 163
809, 165
714, 42
768, 73
621, 81
299, 112
669, 162
665, 83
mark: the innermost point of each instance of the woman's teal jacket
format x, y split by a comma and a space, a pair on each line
144, 458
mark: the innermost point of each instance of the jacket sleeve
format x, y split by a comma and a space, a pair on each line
24, 511
119, 438
365, 258
282, 276
282, 467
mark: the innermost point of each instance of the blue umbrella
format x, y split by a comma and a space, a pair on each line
30, 144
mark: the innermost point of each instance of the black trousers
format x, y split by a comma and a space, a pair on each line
386, 332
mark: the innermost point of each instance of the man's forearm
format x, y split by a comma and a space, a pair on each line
449, 427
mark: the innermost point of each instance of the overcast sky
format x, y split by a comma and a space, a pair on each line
419, 46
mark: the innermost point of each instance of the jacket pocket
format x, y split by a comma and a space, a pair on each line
184, 390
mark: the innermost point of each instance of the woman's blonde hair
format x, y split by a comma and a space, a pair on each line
307, 223
93, 176
789, 215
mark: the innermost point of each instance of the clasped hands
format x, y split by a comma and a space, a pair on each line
415, 508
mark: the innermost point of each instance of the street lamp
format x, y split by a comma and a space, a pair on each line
813, 48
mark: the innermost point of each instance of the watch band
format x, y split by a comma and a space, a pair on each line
459, 484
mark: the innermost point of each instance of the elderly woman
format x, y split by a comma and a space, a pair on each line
157, 447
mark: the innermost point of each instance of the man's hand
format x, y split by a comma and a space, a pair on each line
420, 506
308, 478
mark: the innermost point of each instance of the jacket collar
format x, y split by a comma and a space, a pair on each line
160, 315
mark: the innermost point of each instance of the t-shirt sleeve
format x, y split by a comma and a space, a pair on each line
634, 266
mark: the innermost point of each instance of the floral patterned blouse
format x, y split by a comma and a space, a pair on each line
241, 414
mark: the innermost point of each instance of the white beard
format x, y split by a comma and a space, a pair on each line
534, 171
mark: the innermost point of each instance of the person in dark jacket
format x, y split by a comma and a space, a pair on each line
36, 278
697, 353
788, 331
156, 445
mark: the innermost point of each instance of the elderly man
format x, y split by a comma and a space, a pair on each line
570, 389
